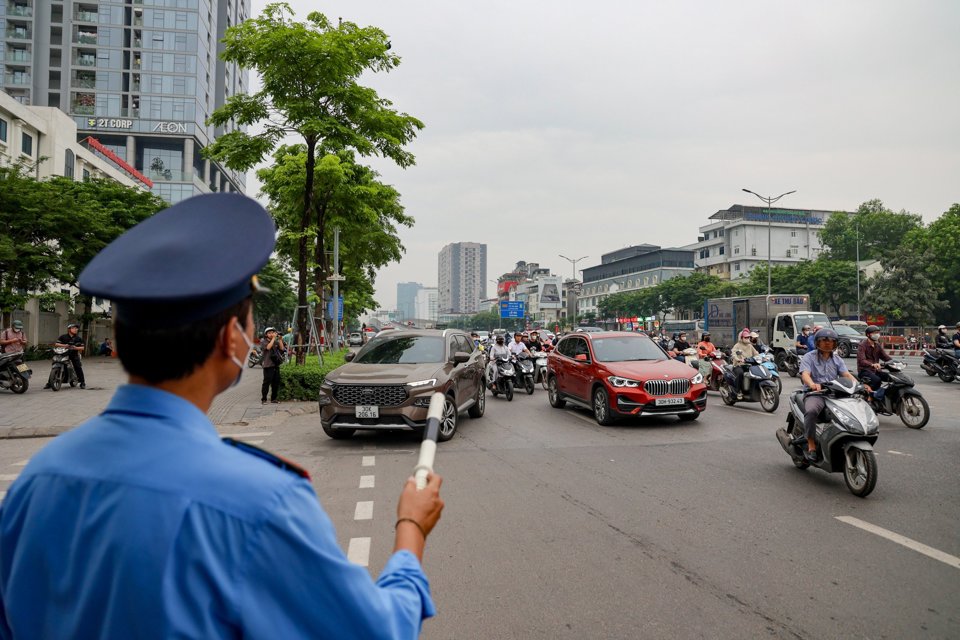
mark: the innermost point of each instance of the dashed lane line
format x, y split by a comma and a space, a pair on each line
367, 482
8, 477
364, 510
248, 434
919, 547
3, 494
368, 461
900, 453
358, 551
22, 463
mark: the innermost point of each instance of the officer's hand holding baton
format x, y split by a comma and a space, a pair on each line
420, 504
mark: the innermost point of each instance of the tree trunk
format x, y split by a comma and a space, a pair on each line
303, 334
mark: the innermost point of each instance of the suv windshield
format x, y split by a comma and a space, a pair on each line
402, 350
623, 348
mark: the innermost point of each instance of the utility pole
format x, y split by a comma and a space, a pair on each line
336, 278
573, 264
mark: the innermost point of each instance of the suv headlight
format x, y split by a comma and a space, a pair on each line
620, 383
697, 379
422, 383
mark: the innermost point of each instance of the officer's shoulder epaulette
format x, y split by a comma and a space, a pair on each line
272, 458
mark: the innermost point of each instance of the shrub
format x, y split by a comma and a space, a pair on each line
303, 382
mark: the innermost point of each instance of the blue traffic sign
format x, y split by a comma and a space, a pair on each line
512, 309
330, 309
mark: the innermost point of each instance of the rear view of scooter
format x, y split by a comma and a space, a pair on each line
846, 431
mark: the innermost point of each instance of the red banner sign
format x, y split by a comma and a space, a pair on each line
93, 142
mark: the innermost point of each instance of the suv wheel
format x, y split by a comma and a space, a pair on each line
601, 407
476, 411
448, 420
553, 394
843, 349
338, 434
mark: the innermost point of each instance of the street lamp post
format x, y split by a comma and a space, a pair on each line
499, 317
769, 202
858, 269
573, 264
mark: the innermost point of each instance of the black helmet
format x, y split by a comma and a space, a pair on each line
873, 329
825, 334
706, 334
500, 339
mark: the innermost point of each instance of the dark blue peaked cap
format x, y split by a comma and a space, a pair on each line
184, 264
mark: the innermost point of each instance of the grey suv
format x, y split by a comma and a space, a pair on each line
388, 383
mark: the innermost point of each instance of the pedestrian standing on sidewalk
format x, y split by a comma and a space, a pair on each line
274, 354
13, 339
143, 523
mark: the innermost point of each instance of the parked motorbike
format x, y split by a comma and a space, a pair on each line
527, 372
506, 377
62, 369
758, 385
942, 363
14, 372
845, 435
900, 398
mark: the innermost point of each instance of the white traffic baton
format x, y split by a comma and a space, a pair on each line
428, 448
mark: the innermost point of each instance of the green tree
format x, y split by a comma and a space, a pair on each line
310, 73
943, 240
276, 306
830, 283
687, 294
879, 229
904, 290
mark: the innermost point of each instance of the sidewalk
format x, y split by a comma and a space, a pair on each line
44, 413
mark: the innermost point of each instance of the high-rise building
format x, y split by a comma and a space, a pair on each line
425, 305
406, 297
139, 79
462, 277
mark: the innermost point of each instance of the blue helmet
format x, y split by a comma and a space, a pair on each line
825, 334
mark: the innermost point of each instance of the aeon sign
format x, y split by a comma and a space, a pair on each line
170, 127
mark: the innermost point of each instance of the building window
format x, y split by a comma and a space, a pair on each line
736, 267
68, 164
86, 175
721, 250
26, 144
736, 250
3, 130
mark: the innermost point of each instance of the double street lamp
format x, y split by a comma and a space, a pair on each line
573, 264
769, 202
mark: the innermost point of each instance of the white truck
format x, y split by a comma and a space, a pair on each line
777, 318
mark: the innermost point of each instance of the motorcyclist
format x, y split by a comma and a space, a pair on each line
757, 342
870, 359
497, 350
741, 351
943, 340
74, 343
818, 367
705, 348
535, 344
956, 341
801, 344
518, 346
811, 346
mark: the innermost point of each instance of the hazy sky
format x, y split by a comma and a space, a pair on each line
579, 128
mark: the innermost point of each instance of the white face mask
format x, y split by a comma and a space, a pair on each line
875, 337
246, 356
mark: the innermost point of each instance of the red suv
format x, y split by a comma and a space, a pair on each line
618, 374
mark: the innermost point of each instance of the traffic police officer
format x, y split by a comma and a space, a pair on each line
142, 522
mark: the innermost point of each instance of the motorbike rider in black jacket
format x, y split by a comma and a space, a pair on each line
943, 340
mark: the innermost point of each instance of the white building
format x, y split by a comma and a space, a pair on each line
736, 239
426, 304
30, 133
462, 277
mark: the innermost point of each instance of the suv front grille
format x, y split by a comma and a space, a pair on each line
363, 394
677, 387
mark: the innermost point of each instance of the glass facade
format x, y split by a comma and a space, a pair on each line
141, 77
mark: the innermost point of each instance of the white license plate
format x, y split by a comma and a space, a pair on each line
666, 402
368, 411
22, 367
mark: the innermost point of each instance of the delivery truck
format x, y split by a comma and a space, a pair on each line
777, 318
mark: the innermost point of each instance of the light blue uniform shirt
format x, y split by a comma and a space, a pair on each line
142, 523
822, 370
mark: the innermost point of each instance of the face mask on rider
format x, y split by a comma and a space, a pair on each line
875, 337
246, 356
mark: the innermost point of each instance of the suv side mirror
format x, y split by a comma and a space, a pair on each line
350, 356
580, 357
460, 357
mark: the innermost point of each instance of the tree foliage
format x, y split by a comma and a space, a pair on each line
904, 290
879, 229
943, 241
276, 306
310, 75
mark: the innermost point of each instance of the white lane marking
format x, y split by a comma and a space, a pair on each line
254, 441
22, 463
364, 510
359, 551
8, 477
368, 461
367, 482
900, 453
369, 445
919, 547
3, 494
248, 434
